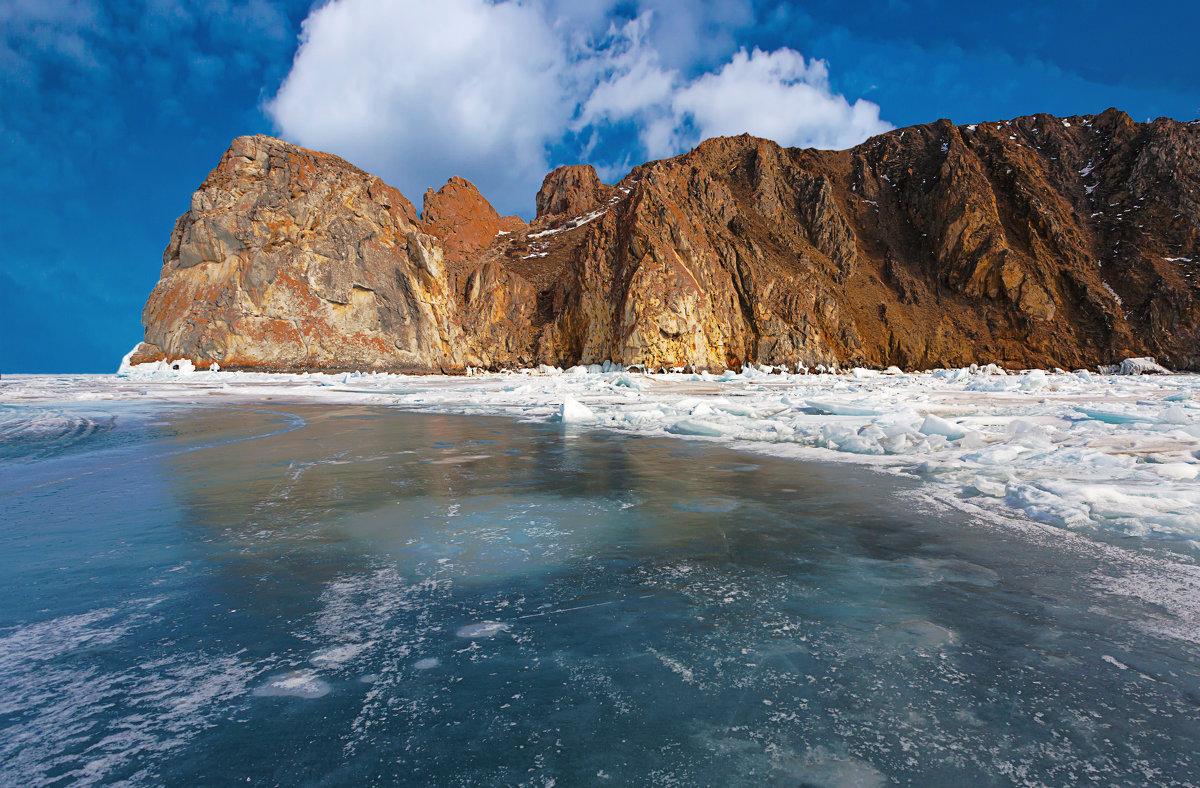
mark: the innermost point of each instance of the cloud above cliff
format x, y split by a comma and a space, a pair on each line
499, 92
778, 95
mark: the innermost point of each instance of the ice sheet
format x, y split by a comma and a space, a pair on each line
1113, 453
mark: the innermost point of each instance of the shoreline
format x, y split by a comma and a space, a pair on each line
1117, 455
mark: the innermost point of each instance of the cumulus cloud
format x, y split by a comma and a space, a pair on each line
500, 91
419, 91
779, 96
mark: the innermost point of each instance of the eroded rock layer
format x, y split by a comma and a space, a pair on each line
1040, 242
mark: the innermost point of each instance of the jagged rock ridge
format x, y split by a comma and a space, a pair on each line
1038, 242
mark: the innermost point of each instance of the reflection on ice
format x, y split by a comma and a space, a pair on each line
657, 611
459, 459
919, 635
710, 504
949, 570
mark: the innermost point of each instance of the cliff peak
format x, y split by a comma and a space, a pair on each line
463, 219
569, 190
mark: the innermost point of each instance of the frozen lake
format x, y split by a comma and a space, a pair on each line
290, 593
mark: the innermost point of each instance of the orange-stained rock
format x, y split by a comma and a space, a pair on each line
290, 259
463, 220
1037, 242
1040, 241
573, 189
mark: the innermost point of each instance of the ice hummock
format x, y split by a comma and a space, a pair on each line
574, 412
1146, 365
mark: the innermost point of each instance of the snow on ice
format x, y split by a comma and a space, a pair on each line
1105, 452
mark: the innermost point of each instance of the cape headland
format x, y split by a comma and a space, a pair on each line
1037, 242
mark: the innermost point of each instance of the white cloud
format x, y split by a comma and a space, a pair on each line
776, 95
417, 92
420, 91
630, 77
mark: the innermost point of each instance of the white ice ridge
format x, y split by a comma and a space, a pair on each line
1112, 453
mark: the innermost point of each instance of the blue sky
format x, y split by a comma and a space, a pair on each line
112, 112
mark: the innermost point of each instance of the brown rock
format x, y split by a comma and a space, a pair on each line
929, 246
573, 189
1040, 242
290, 259
463, 220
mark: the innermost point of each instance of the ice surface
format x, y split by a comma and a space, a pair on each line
51, 700
296, 684
838, 772
335, 656
681, 614
483, 629
1036, 444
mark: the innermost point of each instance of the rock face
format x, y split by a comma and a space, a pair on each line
464, 222
573, 189
1037, 242
290, 259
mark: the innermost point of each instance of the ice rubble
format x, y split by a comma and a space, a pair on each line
1109, 452
574, 412
1138, 366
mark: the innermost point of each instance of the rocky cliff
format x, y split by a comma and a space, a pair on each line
290, 259
1040, 241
